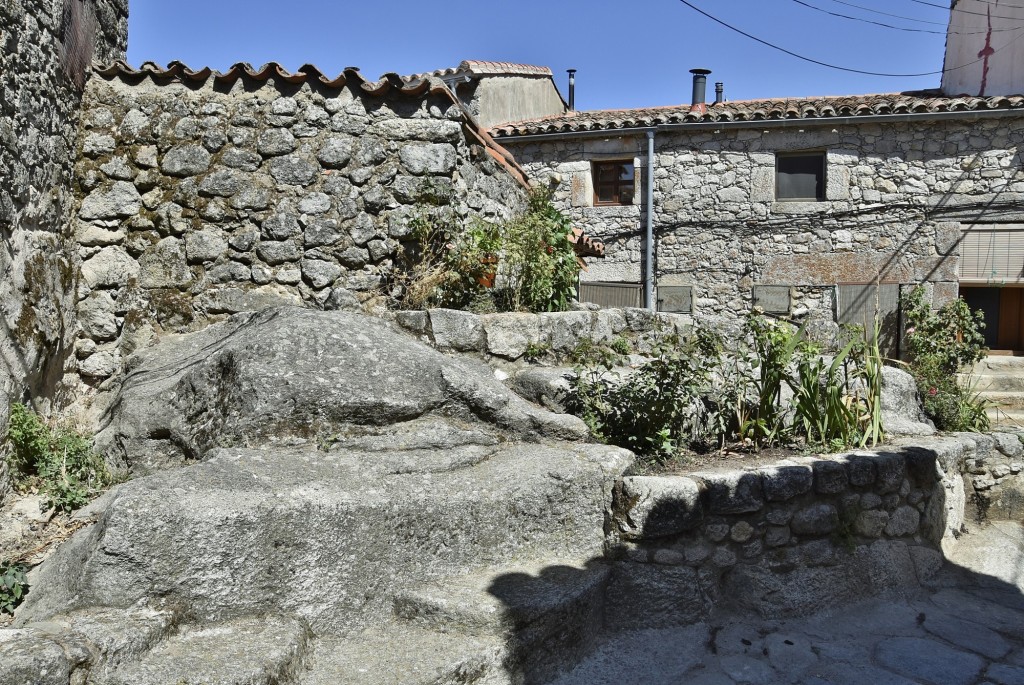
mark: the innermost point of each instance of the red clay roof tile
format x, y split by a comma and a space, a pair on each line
758, 110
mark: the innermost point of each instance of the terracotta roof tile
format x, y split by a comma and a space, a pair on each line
923, 102
177, 71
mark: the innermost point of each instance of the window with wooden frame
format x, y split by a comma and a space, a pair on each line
800, 176
614, 183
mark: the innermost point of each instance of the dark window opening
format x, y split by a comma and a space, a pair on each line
800, 176
613, 183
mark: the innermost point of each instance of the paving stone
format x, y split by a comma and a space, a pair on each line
929, 660
967, 635
744, 669
1006, 675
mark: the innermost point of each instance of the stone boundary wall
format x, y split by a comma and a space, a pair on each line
509, 336
805, 532
202, 199
42, 57
896, 199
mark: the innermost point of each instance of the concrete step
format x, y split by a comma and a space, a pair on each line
999, 364
400, 654
548, 613
264, 650
1005, 400
1006, 417
994, 383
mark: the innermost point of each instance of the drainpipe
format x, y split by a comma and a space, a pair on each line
649, 271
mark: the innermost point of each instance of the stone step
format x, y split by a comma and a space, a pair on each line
995, 383
999, 364
262, 650
1005, 399
548, 612
1006, 417
399, 654
354, 527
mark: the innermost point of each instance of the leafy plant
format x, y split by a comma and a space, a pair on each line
659, 407
525, 263
940, 345
55, 460
695, 394
536, 351
13, 587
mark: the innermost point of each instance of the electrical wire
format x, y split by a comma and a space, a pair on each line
977, 14
898, 28
887, 14
866, 21
836, 66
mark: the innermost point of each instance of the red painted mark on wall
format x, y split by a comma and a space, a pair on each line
986, 52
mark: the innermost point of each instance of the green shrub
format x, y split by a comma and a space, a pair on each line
666, 404
13, 587
941, 345
57, 461
694, 394
526, 263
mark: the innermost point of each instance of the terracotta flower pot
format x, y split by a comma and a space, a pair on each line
489, 271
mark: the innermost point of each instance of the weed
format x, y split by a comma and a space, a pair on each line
536, 351
622, 345
696, 394
13, 587
55, 460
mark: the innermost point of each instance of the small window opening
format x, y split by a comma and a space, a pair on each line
800, 176
613, 183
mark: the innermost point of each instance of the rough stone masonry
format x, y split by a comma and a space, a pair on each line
41, 66
200, 198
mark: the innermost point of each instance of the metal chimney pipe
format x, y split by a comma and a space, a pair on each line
719, 93
572, 89
700, 85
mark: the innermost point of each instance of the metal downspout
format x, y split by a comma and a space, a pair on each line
649, 271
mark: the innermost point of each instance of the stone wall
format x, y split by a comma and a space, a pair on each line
46, 45
201, 198
895, 199
798, 534
512, 337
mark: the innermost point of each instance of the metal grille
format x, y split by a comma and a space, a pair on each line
860, 304
677, 299
612, 295
773, 299
993, 253
77, 38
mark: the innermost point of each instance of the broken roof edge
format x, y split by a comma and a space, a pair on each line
480, 68
753, 112
308, 73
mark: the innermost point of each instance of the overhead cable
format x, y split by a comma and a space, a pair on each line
836, 66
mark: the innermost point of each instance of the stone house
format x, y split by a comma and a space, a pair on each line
791, 205
820, 209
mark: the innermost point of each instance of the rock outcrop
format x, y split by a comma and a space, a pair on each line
320, 483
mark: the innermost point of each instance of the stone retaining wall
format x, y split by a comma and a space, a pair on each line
510, 336
47, 45
803, 533
200, 199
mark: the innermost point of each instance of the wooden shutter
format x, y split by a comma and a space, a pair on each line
612, 295
860, 304
992, 253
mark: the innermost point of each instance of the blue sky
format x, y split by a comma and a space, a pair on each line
632, 53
